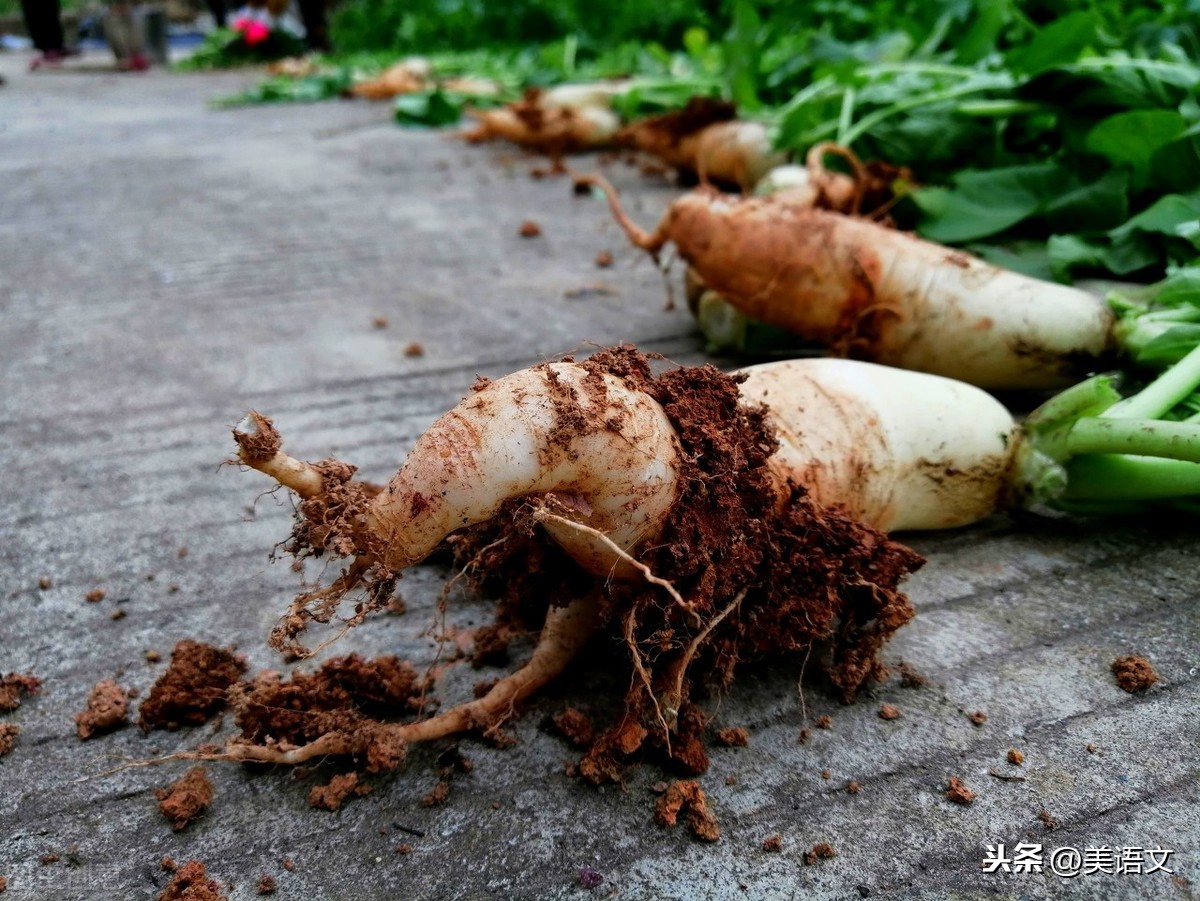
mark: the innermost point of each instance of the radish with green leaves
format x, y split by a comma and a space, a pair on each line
703, 518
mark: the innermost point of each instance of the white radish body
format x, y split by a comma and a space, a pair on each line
606, 452
898, 450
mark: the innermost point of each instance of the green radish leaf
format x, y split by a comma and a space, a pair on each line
1132, 138
1180, 288
1171, 346
1103, 203
986, 203
430, 108
1058, 44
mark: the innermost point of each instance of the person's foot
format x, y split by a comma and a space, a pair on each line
52, 58
135, 63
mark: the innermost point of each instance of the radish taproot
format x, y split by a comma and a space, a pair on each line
879, 294
568, 118
706, 518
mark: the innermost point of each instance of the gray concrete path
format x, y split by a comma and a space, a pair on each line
165, 266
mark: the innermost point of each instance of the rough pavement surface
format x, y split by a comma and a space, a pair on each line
165, 266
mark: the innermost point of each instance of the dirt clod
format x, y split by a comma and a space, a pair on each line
853, 787
978, 717
576, 727
45, 583
773, 844
186, 799
47, 859
380, 322
733, 737
414, 349
1134, 673
266, 885
958, 792
192, 688
107, 708
1048, 820
332, 795
288, 864
604, 259
530, 229
910, 676
824, 722
818, 852
168, 863
191, 883
95, 596
1015, 757
889, 712
685, 796
8, 737
13, 687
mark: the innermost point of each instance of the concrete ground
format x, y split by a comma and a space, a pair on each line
165, 266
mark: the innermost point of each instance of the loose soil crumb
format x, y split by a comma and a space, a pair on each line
590, 878
803, 737
978, 717
192, 688
107, 708
853, 786
153, 656
733, 737
404, 848
191, 883
1134, 673
824, 722
380, 322
1015, 757
45, 583
773, 844
576, 727
47, 859
958, 792
186, 799
8, 737
168, 863
437, 795
3, 883
889, 712
604, 259
288, 864
1048, 820
13, 687
332, 795
266, 885
685, 796
530, 229
117, 614
826, 774
910, 676
819, 851
414, 349
731, 779
95, 596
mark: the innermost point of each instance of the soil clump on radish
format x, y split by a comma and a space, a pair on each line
191, 883
13, 687
193, 687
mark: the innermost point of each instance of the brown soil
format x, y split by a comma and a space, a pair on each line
95, 596
604, 259
45, 583
824, 722
47, 859
889, 712
332, 795
8, 737
347, 694
773, 844
686, 797
853, 787
186, 799
107, 708
3, 884
266, 885
414, 349
818, 852
191, 883
530, 229
168, 863
1048, 820
576, 727
662, 135
193, 687
404, 848
733, 737
978, 717
15, 685
1015, 757
910, 676
1134, 673
958, 792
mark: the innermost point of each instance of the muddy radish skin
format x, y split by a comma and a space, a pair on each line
880, 294
891, 448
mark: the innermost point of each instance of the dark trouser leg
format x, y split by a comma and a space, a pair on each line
316, 32
43, 23
217, 8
